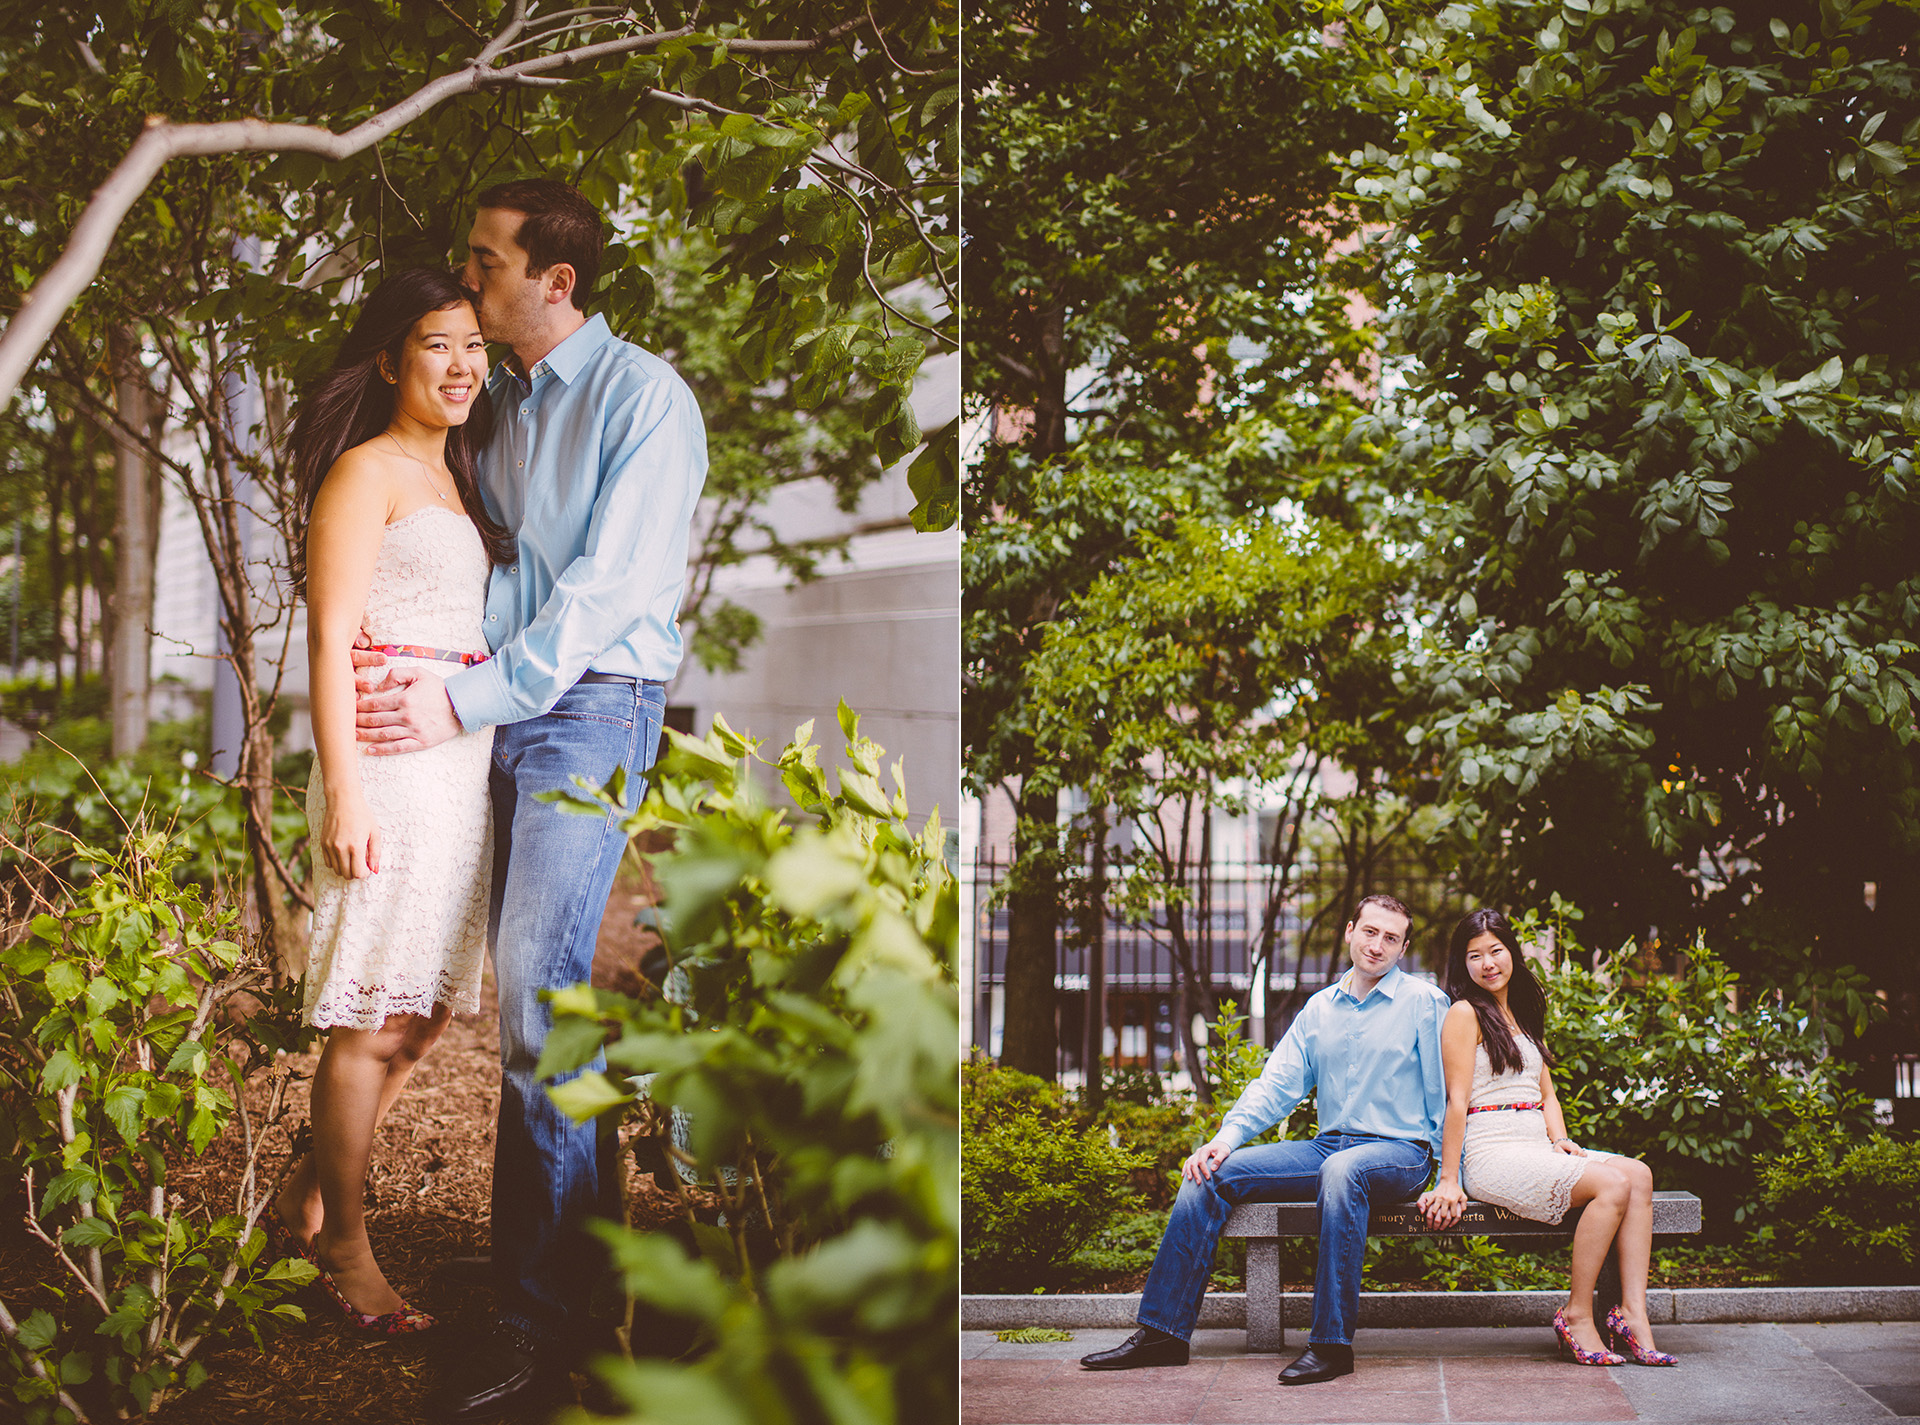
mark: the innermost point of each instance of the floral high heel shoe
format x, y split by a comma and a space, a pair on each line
406, 1320
1571, 1350
1620, 1336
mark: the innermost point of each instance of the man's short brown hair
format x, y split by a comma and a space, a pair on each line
558, 225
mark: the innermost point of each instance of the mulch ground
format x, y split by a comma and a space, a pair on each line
427, 1202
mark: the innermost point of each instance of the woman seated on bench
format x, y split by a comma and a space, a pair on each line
1505, 1128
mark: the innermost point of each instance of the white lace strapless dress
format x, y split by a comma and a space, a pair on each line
414, 934
1507, 1159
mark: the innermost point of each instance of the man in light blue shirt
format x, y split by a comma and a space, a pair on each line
1369, 1047
596, 464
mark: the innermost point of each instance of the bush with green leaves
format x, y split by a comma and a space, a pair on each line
126, 1043
1034, 1190
1696, 1072
810, 1039
67, 791
1846, 1207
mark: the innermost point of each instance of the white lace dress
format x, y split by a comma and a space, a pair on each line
1507, 1159
415, 933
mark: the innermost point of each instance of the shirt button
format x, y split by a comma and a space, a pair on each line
523, 410
513, 568
523, 465
493, 618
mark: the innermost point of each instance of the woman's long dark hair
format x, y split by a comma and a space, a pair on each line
1524, 996
353, 403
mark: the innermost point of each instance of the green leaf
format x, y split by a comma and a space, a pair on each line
570, 1044
88, 1232
191, 1057
61, 1071
935, 482
65, 981
588, 1096
37, 1332
102, 994
124, 1105
297, 1270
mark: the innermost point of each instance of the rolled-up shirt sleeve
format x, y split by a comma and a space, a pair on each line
1433, 1077
1286, 1079
631, 570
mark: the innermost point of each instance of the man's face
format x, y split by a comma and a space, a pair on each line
512, 306
1376, 940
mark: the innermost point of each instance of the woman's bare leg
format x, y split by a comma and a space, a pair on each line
299, 1203
360, 1075
1633, 1246
1603, 1190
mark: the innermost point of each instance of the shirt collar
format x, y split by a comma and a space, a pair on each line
567, 359
1387, 985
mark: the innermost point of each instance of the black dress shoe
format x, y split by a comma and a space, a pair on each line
1322, 1360
498, 1372
1145, 1347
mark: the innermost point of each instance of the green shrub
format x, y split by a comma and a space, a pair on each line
1847, 1209
1034, 1191
66, 790
811, 1041
1695, 1073
118, 1051
989, 1093
1162, 1133
1123, 1244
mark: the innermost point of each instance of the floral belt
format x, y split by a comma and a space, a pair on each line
1506, 1107
415, 650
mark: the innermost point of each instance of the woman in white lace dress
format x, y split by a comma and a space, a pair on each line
396, 544
1505, 1142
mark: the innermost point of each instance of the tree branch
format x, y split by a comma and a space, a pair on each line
60, 286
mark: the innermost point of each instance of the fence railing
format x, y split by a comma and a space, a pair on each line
1138, 963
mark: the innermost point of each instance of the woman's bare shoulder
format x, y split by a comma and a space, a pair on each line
1461, 1016
362, 474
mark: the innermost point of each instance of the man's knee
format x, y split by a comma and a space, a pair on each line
1342, 1175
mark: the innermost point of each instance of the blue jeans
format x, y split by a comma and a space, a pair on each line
552, 873
1348, 1174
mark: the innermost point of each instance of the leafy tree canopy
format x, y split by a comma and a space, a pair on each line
1652, 267
816, 145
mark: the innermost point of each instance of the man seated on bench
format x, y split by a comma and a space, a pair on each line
1369, 1046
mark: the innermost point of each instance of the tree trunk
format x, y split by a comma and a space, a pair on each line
82, 527
135, 535
1031, 1038
57, 461
1096, 1015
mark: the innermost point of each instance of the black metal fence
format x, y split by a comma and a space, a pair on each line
1142, 980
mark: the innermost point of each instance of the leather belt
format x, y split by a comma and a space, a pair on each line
620, 678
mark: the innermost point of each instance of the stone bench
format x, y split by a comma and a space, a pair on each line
1263, 1224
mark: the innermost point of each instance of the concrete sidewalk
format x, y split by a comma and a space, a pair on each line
1749, 1374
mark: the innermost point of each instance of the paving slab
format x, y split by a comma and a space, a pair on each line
1880, 1359
1754, 1374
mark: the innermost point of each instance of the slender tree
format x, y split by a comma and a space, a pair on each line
1145, 186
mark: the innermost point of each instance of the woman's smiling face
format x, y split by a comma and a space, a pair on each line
1489, 961
442, 367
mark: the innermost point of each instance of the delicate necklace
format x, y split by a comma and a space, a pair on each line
416, 460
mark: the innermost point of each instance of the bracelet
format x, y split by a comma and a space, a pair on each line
1559, 1141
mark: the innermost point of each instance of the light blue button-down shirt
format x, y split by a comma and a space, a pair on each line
596, 464
1374, 1063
